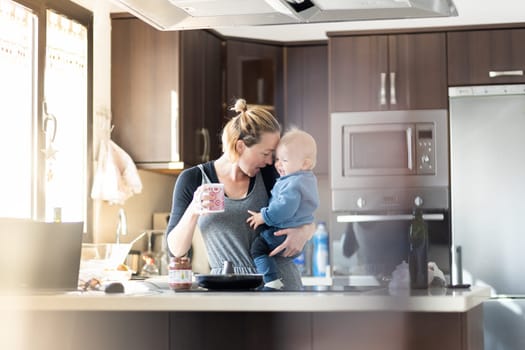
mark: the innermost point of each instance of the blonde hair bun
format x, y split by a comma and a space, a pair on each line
240, 106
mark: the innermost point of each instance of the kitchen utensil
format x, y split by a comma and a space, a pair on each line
228, 280
227, 268
133, 261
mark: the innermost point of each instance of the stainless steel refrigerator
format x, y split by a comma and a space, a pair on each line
487, 148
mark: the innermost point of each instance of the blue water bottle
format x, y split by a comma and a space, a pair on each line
320, 253
300, 263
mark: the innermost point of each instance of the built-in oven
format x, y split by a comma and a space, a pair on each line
374, 244
389, 160
383, 165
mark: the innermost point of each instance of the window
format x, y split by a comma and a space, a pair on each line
45, 109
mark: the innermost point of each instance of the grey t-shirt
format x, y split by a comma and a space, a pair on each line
227, 236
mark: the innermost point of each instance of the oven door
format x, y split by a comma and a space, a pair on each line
378, 149
375, 243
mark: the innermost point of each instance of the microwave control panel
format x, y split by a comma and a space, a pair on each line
425, 149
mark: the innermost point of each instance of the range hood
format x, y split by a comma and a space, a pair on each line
198, 14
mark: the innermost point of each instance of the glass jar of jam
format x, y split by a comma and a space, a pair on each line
180, 275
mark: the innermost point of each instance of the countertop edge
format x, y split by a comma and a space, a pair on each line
169, 301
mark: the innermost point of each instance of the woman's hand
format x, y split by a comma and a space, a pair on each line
201, 200
295, 240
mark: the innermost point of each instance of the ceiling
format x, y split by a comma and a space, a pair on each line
470, 12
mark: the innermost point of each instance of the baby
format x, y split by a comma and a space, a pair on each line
293, 202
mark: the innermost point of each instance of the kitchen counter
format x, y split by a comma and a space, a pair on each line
148, 317
141, 296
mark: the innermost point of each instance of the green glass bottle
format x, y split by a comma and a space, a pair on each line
418, 252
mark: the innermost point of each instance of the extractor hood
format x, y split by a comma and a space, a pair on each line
195, 14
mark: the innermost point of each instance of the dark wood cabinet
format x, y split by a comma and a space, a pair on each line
486, 57
306, 104
255, 73
370, 330
144, 81
166, 94
201, 95
233, 330
169, 91
388, 72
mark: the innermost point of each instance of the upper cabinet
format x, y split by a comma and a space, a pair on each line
201, 114
166, 94
255, 73
144, 90
388, 72
486, 57
306, 104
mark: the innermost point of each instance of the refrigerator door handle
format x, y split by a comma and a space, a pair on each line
379, 218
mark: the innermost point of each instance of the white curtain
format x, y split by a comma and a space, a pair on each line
65, 94
16, 108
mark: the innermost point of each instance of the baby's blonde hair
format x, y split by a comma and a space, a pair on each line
247, 126
301, 143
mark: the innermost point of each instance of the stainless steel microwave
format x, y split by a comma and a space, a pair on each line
389, 160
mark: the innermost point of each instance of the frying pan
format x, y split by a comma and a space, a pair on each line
228, 280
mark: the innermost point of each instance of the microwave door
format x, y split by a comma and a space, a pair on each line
378, 150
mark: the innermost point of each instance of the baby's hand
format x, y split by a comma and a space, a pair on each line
255, 219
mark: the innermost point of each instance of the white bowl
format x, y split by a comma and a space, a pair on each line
100, 260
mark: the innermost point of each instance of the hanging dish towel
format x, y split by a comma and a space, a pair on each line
116, 178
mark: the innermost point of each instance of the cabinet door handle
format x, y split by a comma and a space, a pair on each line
382, 91
499, 73
206, 145
205, 156
393, 99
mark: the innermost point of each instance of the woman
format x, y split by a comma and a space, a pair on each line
246, 170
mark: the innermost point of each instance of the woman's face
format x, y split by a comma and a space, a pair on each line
253, 158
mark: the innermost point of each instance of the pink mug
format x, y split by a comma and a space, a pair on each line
216, 194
